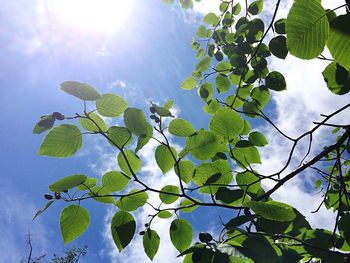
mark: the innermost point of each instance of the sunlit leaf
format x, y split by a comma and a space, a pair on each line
339, 40
119, 136
94, 125
123, 229
307, 29
131, 202
114, 181
110, 105
135, 121
181, 127
67, 182
203, 144
272, 210
129, 162
165, 157
337, 78
151, 243
62, 141
74, 220
80, 90
181, 234
172, 196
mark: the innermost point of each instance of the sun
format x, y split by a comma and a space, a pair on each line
103, 16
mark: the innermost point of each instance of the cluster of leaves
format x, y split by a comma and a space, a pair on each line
219, 161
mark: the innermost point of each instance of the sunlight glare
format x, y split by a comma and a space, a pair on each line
105, 16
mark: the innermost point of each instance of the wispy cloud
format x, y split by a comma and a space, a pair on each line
295, 111
152, 176
16, 213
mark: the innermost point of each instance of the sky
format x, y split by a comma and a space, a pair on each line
141, 52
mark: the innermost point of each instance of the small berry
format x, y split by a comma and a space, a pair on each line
65, 191
157, 120
142, 233
153, 116
58, 116
152, 109
48, 197
58, 195
146, 225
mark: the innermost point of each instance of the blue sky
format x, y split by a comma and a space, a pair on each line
145, 57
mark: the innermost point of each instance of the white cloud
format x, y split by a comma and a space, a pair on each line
152, 176
305, 99
16, 213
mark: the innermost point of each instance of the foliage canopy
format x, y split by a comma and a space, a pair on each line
234, 47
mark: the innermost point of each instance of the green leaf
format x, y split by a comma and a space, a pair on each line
185, 169
222, 83
217, 172
223, 67
206, 91
90, 125
337, 78
132, 159
211, 19
132, 202
80, 90
256, 7
272, 210
228, 196
161, 111
203, 64
142, 141
119, 136
226, 123
188, 205
236, 9
280, 26
46, 123
258, 139
135, 121
339, 40
123, 229
74, 220
89, 183
110, 105
261, 95
203, 144
165, 157
249, 182
164, 214
101, 195
62, 141
67, 183
42, 210
189, 83
275, 81
237, 60
114, 181
245, 153
168, 104
181, 234
247, 127
186, 4
202, 32
211, 106
181, 127
251, 109
278, 47
169, 198
307, 29
151, 243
